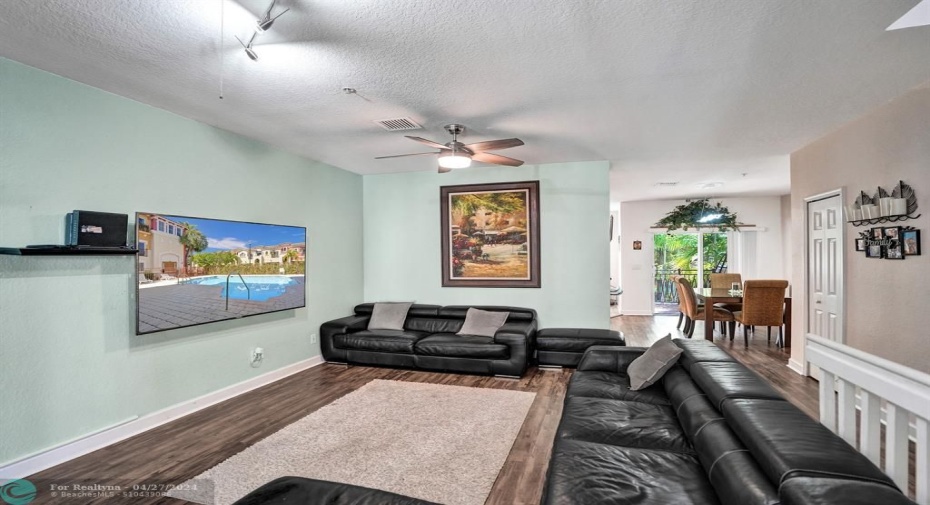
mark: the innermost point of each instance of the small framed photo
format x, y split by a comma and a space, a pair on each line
878, 233
911, 241
875, 251
893, 248
860, 244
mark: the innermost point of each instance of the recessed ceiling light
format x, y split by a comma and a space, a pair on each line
710, 185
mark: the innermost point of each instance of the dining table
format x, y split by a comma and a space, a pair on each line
710, 296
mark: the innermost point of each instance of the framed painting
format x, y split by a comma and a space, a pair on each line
490, 235
911, 239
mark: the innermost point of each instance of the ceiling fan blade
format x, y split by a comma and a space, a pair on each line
494, 145
496, 159
444, 170
427, 142
402, 155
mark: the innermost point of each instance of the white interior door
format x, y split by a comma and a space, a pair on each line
825, 268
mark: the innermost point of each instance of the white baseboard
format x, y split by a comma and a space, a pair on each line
796, 367
636, 313
135, 425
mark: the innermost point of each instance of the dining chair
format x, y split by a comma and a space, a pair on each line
763, 305
696, 312
725, 281
681, 301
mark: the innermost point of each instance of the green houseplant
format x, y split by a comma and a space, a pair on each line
699, 213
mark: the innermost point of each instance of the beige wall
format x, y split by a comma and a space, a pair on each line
786, 242
886, 300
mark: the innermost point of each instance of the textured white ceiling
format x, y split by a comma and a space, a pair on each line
640, 83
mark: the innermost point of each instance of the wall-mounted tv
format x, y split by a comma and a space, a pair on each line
194, 271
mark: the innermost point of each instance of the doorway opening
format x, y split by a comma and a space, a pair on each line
692, 255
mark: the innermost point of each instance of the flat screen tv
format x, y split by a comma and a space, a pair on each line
194, 270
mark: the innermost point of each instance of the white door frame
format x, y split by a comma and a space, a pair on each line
841, 279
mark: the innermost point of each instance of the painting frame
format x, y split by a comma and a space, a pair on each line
894, 247
911, 239
532, 235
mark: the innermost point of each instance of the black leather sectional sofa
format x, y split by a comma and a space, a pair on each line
428, 341
710, 432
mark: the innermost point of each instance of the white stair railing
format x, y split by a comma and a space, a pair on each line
905, 393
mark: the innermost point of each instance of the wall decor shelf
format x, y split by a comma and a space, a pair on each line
883, 207
885, 219
64, 251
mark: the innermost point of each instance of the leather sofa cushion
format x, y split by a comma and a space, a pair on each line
575, 339
826, 491
696, 351
787, 443
613, 386
461, 346
433, 324
732, 471
516, 314
626, 424
692, 407
294, 490
416, 310
600, 474
723, 381
379, 340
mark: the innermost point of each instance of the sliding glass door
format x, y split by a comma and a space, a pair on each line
692, 255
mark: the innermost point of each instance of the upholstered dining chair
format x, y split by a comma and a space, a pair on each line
681, 301
681, 304
696, 312
763, 305
725, 281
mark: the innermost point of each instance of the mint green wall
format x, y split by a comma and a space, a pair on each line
402, 258
70, 362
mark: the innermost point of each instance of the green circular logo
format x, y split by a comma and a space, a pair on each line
18, 492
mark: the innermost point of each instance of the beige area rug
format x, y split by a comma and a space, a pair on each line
439, 443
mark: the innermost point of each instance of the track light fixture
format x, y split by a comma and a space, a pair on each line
261, 25
248, 47
266, 21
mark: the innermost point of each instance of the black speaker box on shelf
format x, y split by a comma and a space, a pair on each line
87, 228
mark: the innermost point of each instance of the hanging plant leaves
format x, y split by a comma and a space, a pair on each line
699, 213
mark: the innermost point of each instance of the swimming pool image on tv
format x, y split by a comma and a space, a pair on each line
260, 288
194, 270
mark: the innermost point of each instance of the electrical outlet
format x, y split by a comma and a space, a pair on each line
258, 354
313, 338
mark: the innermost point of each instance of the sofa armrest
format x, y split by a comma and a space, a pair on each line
608, 358
519, 332
330, 329
346, 324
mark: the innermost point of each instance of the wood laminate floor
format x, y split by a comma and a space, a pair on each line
182, 449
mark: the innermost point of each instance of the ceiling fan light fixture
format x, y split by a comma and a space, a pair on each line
452, 159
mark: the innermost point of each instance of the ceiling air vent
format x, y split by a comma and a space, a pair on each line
666, 184
398, 124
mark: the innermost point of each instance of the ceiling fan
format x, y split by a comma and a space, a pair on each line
458, 155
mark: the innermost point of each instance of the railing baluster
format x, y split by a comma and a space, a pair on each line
846, 427
827, 400
896, 444
870, 430
922, 467
905, 394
